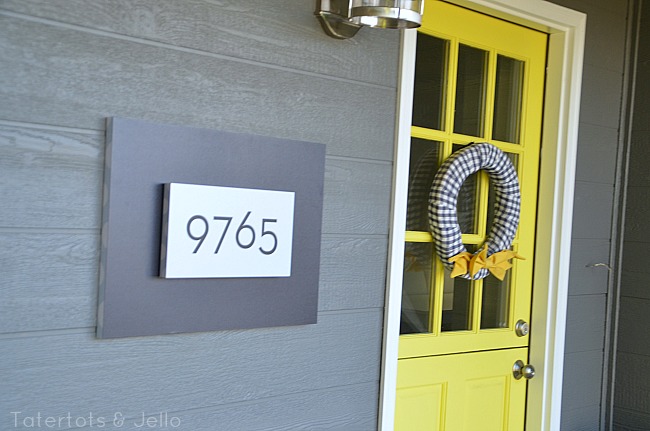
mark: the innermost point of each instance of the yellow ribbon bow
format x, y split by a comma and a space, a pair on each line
461, 263
497, 263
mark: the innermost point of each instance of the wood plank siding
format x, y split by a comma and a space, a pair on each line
632, 400
256, 67
264, 68
602, 129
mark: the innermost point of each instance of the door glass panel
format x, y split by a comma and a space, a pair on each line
467, 203
425, 159
495, 302
470, 91
496, 293
416, 290
430, 82
457, 302
507, 99
492, 196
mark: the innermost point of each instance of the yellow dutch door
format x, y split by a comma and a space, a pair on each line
477, 79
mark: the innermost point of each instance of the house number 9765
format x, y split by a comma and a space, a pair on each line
226, 232
244, 234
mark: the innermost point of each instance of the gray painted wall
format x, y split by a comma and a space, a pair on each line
632, 388
229, 65
243, 67
593, 229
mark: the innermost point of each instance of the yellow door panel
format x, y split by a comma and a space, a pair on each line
477, 79
470, 391
421, 407
490, 398
481, 74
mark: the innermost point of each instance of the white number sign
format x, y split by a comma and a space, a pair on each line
226, 232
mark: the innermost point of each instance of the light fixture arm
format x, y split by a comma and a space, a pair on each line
334, 16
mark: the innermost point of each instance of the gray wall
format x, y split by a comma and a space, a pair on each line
242, 66
632, 400
593, 228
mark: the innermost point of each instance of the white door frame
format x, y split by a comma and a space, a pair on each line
566, 30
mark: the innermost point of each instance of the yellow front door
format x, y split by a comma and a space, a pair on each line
477, 79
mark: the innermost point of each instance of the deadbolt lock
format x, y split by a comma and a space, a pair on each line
519, 370
521, 328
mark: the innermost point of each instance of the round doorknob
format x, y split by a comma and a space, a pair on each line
521, 328
519, 370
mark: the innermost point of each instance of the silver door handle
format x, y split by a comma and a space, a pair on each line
520, 370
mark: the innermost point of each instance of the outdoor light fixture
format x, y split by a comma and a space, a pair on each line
343, 18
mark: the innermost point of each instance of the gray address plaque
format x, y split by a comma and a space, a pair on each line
207, 230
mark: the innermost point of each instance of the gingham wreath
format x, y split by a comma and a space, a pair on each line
494, 255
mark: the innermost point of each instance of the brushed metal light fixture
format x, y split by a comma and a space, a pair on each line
342, 19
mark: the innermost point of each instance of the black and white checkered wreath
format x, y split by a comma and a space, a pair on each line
494, 255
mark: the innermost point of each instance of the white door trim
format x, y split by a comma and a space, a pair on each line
557, 177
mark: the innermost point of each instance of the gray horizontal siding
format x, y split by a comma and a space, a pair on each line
591, 7
234, 66
352, 269
634, 255
581, 419
599, 149
630, 420
592, 212
641, 94
57, 373
582, 380
348, 408
330, 409
606, 34
638, 208
632, 395
49, 281
601, 96
636, 283
634, 384
51, 179
83, 77
585, 318
357, 197
596, 176
633, 320
638, 163
606, 31
284, 34
584, 277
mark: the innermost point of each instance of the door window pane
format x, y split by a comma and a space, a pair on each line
430, 82
492, 195
467, 202
416, 291
466, 206
496, 302
496, 293
507, 99
425, 160
470, 91
457, 302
